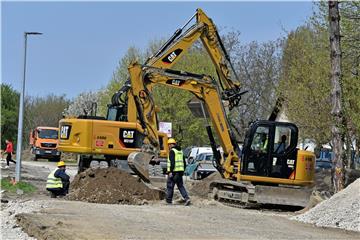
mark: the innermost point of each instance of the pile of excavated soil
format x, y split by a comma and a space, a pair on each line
112, 186
342, 210
201, 188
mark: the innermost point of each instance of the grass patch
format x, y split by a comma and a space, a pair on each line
8, 186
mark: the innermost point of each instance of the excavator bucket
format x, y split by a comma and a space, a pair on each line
139, 163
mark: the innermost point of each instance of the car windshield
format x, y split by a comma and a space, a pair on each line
187, 151
201, 157
48, 133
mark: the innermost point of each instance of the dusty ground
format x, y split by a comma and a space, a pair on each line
64, 219
203, 220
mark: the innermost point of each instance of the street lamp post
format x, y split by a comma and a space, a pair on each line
21, 112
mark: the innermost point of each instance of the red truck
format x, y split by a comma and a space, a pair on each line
44, 143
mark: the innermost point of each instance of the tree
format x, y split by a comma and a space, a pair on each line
9, 113
119, 77
305, 84
83, 104
173, 102
43, 111
336, 96
259, 67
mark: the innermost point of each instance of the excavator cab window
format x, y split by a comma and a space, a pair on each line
284, 151
258, 151
117, 113
270, 149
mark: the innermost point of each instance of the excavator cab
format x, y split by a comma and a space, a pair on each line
270, 149
117, 112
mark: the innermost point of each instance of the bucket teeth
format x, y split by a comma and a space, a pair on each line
139, 163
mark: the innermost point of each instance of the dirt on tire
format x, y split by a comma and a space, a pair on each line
113, 186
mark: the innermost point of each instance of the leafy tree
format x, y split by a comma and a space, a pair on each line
84, 104
119, 77
173, 103
9, 113
305, 82
306, 69
43, 111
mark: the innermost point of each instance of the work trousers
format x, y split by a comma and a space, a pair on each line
9, 159
60, 191
175, 179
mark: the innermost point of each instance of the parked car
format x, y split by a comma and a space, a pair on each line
195, 151
323, 163
201, 167
187, 151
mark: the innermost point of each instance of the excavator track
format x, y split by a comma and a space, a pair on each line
247, 195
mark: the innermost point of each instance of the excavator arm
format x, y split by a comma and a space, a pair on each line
204, 88
177, 46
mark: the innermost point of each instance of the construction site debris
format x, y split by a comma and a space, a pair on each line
112, 186
342, 210
201, 188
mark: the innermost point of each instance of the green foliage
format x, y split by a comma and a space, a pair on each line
258, 63
119, 77
305, 78
24, 186
43, 111
305, 82
9, 113
350, 30
173, 103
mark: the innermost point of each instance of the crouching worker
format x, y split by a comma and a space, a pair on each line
58, 181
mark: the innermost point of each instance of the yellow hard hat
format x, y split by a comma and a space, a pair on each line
61, 164
171, 141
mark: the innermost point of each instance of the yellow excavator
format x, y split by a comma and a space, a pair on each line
268, 169
108, 141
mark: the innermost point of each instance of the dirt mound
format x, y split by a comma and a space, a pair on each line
201, 188
113, 186
340, 211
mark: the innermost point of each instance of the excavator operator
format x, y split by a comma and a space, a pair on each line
175, 167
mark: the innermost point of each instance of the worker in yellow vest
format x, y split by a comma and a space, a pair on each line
58, 181
175, 168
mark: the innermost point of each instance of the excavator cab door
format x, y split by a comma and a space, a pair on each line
270, 149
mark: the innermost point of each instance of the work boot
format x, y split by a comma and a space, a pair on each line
53, 195
181, 200
187, 202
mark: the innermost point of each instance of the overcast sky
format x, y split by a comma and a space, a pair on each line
83, 41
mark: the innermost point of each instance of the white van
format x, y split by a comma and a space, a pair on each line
196, 151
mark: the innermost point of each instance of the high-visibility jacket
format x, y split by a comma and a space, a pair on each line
53, 182
179, 161
264, 147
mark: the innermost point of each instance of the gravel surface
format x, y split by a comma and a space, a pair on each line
9, 228
36, 174
342, 210
202, 220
